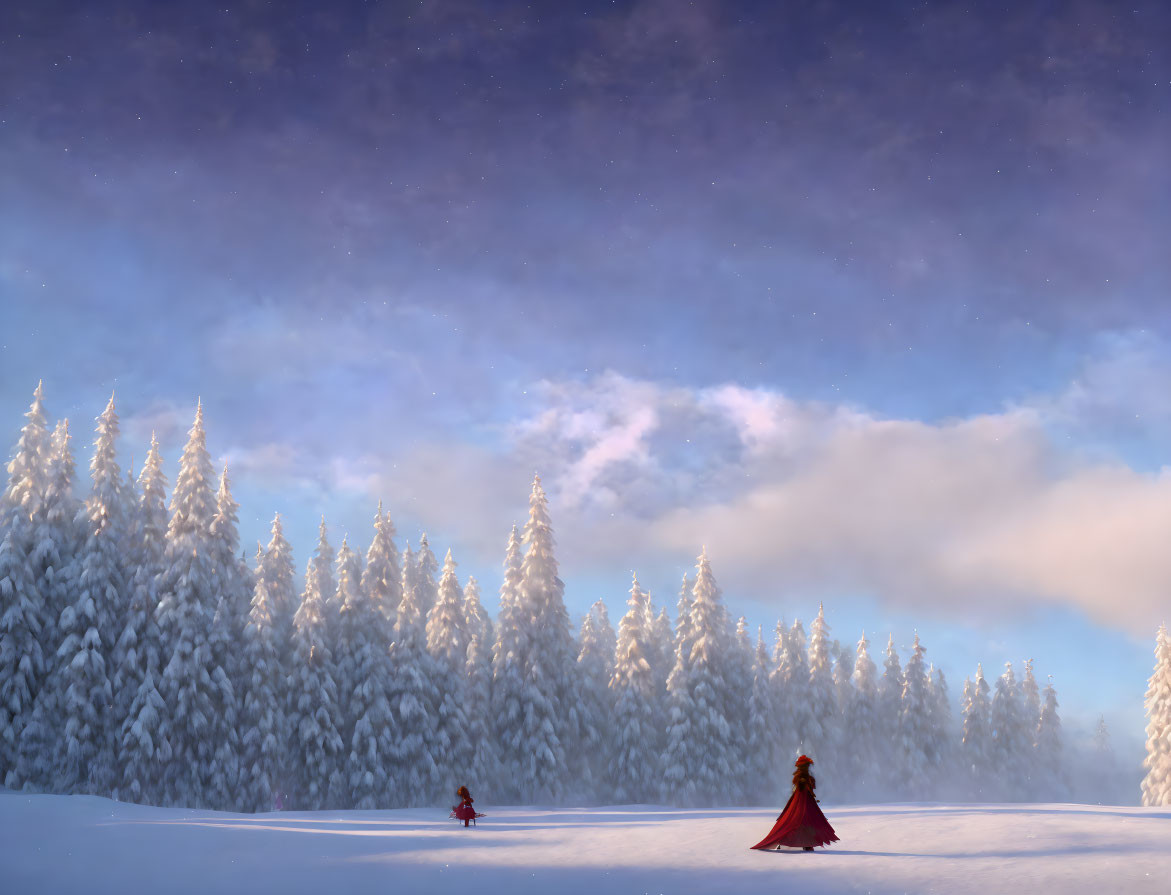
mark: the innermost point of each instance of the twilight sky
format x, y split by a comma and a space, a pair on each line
872, 303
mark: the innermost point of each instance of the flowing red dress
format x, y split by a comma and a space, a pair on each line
464, 810
801, 824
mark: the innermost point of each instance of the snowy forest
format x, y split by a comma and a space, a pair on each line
143, 657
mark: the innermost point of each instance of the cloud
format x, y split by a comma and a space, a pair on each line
969, 517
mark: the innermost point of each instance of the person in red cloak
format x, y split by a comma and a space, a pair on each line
464, 810
801, 824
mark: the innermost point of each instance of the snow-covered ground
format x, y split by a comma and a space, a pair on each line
63, 844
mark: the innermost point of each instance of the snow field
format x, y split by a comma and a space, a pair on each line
93, 845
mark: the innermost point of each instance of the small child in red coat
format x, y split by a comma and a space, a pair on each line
464, 810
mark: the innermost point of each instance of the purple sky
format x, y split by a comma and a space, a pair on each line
874, 304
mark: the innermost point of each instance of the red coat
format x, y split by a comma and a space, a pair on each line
801, 824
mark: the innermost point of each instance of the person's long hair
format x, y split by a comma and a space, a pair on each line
463, 793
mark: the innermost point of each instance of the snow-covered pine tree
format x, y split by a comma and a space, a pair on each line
447, 642
508, 657
279, 572
890, 695
262, 712
485, 759
82, 694
22, 610
53, 568
635, 764
321, 568
761, 762
1156, 785
703, 753
914, 724
843, 697
940, 747
977, 735
187, 602
427, 576
1012, 740
683, 618
550, 725
741, 657
314, 713
822, 729
382, 579
595, 662
864, 727
793, 689
1032, 771
1053, 781
233, 589
140, 753
415, 777
364, 677
663, 651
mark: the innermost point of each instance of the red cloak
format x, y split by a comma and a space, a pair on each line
801, 824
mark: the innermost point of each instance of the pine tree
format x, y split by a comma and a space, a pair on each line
1156, 785
83, 696
791, 685
447, 642
635, 764
485, 759
595, 662
1011, 739
187, 602
262, 715
313, 709
365, 677
1032, 771
864, 725
740, 660
1054, 785
698, 767
890, 695
141, 754
508, 657
278, 572
23, 616
821, 733
663, 652
416, 777
382, 579
550, 703
233, 592
914, 723
939, 747
977, 737
321, 568
761, 747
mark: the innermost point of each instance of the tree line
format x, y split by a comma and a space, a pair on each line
142, 658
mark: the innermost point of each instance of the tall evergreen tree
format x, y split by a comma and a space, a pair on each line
761, 761
321, 568
740, 659
382, 579
1033, 773
364, 674
914, 723
977, 736
550, 719
939, 747
1054, 785
262, 744
83, 694
233, 594
508, 657
890, 695
595, 661
635, 763
141, 753
698, 768
1156, 785
821, 733
417, 776
447, 642
278, 572
485, 758
313, 709
1011, 738
187, 602
23, 615
864, 725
